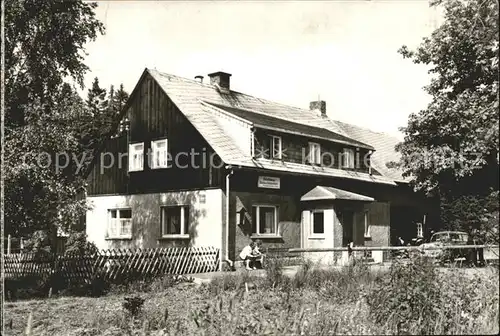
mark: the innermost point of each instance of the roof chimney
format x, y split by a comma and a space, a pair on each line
199, 78
220, 79
320, 106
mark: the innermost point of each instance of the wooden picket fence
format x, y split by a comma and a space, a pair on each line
113, 265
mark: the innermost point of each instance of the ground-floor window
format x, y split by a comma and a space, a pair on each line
265, 220
174, 221
318, 223
119, 223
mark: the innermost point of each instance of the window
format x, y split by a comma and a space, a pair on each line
159, 150
348, 158
440, 237
420, 230
457, 237
314, 153
276, 147
367, 225
175, 221
136, 157
120, 223
318, 223
265, 220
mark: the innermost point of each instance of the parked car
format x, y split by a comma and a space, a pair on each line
446, 238
416, 241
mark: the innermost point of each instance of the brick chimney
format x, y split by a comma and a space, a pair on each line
220, 79
319, 105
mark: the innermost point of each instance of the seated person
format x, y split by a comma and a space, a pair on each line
257, 254
247, 256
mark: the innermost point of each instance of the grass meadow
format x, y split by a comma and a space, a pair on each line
414, 298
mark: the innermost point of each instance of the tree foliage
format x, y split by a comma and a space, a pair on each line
456, 136
44, 45
467, 212
51, 133
450, 149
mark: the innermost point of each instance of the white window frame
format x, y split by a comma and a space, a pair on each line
314, 153
136, 149
184, 224
155, 152
279, 154
420, 230
257, 220
348, 161
312, 234
367, 224
119, 224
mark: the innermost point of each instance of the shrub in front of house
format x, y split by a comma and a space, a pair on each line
408, 296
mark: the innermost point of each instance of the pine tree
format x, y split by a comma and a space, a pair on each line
96, 98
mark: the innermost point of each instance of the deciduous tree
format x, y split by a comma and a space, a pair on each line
450, 148
47, 123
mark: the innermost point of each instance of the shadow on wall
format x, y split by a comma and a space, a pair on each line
245, 223
288, 218
146, 219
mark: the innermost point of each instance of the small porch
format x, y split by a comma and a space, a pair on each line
334, 217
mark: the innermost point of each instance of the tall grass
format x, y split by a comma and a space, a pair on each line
415, 299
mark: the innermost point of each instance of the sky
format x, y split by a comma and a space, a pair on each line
291, 52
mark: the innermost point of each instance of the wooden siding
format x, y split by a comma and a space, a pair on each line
298, 185
296, 148
154, 116
112, 180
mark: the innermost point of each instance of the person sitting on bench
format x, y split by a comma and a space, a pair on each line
259, 256
249, 255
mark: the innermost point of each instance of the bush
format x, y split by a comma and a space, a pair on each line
38, 243
77, 244
274, 272
133, 305
469, 302
301, 278
408, 298
342, 285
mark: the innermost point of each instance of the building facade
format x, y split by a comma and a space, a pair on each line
198, 164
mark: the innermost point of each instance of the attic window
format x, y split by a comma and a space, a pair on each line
136, 157
314, 153
276, 148
348, 158
159, 154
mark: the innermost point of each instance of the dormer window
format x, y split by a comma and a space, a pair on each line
276, 149
348, 158
314, 153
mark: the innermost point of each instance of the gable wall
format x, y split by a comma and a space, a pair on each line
154, 116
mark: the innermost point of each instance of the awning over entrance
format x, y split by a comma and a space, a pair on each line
329, 193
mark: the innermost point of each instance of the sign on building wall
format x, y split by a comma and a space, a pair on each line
268, 182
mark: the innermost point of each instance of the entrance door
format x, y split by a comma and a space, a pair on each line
347, 221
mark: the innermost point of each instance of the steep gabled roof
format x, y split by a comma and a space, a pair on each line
191, 97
